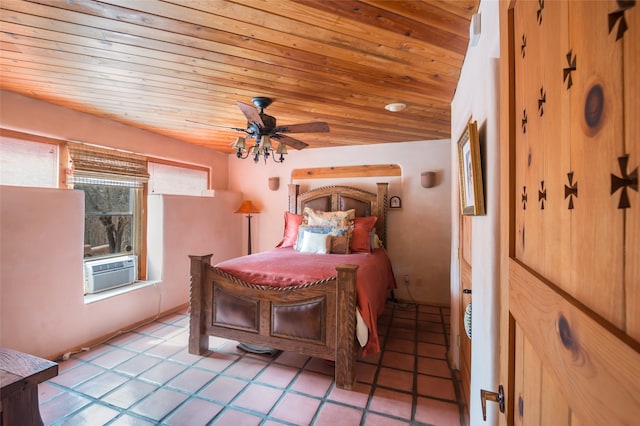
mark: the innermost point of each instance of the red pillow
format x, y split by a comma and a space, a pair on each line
361, 236
291, 223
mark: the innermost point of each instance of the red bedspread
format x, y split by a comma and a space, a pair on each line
285, 266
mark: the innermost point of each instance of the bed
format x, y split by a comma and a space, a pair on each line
275, 299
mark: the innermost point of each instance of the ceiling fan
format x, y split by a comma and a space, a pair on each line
263, 128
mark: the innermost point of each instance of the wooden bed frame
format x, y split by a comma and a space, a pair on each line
315, 319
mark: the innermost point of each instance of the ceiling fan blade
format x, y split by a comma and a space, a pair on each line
237, 129
251, 113
319, 126
289, 141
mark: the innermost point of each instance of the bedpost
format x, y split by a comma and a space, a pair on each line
294, 191
381, 207
346, 327
198, 339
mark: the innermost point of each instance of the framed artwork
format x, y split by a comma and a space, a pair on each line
395, 202
470, 171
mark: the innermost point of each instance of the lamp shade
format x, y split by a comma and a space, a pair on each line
247, 207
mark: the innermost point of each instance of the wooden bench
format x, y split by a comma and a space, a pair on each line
20, 374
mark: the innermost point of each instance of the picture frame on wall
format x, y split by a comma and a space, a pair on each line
395, 202
470, 171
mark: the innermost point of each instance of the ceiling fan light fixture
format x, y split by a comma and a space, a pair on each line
266, 143
240, 144
395, 107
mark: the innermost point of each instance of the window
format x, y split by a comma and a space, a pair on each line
177, 180
25, 163
114, 185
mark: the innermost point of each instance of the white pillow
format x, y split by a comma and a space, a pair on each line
315, 243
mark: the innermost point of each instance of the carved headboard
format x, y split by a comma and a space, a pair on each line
336, 198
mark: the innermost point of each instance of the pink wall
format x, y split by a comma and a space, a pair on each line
419, 234
43, 310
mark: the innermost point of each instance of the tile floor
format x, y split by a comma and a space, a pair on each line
147, 377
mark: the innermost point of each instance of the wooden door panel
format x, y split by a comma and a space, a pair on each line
631, 42
596, 370
464, 341
596, 140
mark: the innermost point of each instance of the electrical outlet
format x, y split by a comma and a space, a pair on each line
406, 280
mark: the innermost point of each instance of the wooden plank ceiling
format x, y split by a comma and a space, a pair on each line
178, 67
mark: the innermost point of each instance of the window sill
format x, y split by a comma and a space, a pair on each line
96, 297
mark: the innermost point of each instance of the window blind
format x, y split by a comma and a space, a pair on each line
26, 163
96, 165
168, 179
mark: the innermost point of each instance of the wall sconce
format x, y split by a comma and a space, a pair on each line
274, 183
428, 179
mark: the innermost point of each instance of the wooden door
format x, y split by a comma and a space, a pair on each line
464, 342
570, 212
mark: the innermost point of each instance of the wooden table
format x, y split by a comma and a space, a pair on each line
20, 374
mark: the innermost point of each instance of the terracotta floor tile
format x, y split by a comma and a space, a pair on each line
436, 387
277, 375
143, 343
137, 365
392, 403
74, 377
148, 376
429, 309
113, 358
46, 391
431, 337
332, 414
231, 417
216, 361
191, 380
129, 393
194, 412
432, 350
223, 389
357, 397
374, 419
395, 379
61, 406
400, 345
159, 404
321, 366
409, 324
437, 413
162, 372
96, 414
409, 313
292, 359
431, 317
296, 409
100, 385
127, 420
183, 356
312, 383
434, 367
246, 367
398, 360
258, 398
365, 373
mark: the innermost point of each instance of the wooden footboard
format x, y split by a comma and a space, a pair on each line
316, 319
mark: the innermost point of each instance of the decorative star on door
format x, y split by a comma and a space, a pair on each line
539, 12
571, 190
627, 180
542, 195
571, 62
541, 101
618, 17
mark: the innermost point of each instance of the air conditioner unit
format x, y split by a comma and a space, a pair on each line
105, 274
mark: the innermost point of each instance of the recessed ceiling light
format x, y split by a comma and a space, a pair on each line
395, 107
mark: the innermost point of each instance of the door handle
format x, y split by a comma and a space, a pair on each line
498, 397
